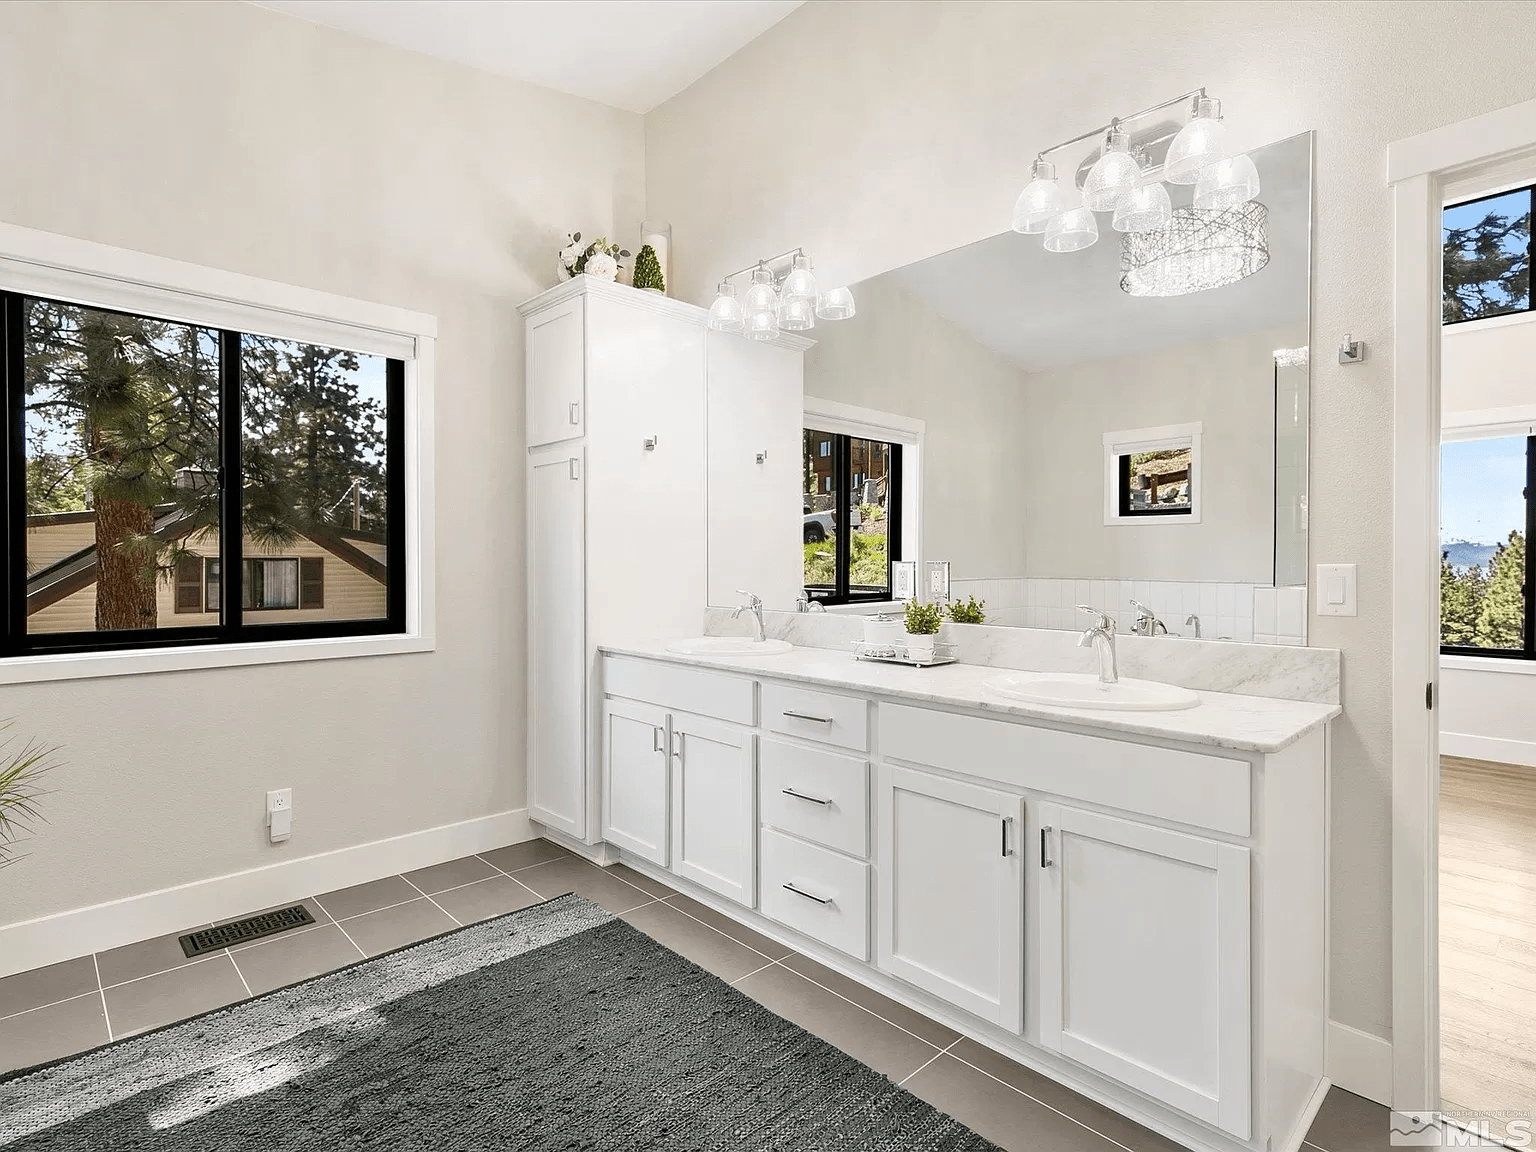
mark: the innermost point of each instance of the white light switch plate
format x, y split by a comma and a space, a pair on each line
1335, 593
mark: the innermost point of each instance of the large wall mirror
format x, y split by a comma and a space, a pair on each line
1058, 440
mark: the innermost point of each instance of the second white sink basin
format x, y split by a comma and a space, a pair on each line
1073, 690
728, 646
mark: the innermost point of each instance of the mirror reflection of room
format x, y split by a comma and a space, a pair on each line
1078, 442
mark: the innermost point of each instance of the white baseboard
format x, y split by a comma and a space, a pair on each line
1360, 1063
1488, 748
49, 939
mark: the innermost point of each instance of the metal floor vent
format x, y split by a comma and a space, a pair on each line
242, 931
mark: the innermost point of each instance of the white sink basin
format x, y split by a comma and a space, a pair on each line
1071, 690
728, 646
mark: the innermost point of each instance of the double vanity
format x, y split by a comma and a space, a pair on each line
1122, 887
1129, 900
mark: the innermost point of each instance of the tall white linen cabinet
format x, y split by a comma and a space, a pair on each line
643, 430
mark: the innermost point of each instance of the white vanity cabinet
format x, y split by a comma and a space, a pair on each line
1141, 917
619, 474
1145, 959
951, 909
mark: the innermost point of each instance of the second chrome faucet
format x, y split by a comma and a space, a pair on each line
1101, 637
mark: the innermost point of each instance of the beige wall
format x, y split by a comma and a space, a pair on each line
1229, 387
898, 355
918, 135
244, 139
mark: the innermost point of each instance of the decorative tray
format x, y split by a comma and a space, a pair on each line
897, 654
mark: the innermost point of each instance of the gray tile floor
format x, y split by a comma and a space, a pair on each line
69, 1007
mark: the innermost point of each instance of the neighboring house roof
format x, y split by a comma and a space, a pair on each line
78, 570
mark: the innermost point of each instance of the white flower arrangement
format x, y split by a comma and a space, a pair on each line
598, 258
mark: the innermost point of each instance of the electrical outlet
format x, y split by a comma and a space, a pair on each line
279, 815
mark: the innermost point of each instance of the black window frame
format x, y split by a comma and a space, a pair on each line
840, 592
1530, 296
1528, 649
16, 641
1127, 509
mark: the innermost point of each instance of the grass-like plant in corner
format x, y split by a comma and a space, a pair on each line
968, 611
923, 619
21, 775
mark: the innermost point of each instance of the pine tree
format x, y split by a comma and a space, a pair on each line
648, 270
1487, 267
1501, 618
1458, 603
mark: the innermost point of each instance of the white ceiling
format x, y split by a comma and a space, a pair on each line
1043, 310
630, 54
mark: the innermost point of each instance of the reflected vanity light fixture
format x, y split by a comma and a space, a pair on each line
782, 297
1137, 154
1197, 251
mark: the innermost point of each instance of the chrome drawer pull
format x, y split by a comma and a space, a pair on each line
812, 719
802, 892
803, 796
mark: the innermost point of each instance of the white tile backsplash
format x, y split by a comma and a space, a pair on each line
1248, 612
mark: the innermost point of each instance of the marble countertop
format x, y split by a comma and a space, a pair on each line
1222, 719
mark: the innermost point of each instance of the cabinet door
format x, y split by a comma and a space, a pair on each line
1144, 960
555, 370
636, 778
714, 819
557, 779
951, 912
756, 525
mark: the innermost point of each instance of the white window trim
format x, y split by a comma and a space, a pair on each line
1118, 444
84, 272
891, 428
1488, 423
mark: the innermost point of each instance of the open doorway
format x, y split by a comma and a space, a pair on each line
1487, 795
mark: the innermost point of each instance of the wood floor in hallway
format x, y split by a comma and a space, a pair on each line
1487, 939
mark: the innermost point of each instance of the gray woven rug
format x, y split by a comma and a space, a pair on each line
556, 1027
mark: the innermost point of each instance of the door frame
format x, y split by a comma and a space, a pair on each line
1424, 172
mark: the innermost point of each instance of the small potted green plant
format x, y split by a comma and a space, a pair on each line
647, 272
968, 611
923, 623
21, 773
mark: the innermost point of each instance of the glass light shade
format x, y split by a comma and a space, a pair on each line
797, 315
1198, 250
1147, 209
1113, 177
800, 284
761, 297
725, 312
1199, 144
835, 304
1227, 183
762, 326
1041, 199
1071, 231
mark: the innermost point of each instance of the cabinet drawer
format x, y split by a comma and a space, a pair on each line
814, 891
822, 796
680, 689
823, 716
1187, 787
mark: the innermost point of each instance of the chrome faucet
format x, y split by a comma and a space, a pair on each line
1195, 620
753, 605
804, 603
1101, 637
1147, 623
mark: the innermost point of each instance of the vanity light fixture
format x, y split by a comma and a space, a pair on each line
782, 297
1137, 154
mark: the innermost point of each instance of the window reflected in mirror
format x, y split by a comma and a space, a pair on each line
850, 503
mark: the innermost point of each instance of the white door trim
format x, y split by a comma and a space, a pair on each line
1421, 169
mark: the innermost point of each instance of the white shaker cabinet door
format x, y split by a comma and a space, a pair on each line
557, 779
951, 908
1144, 960
555, 373
636, 778
714, 812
